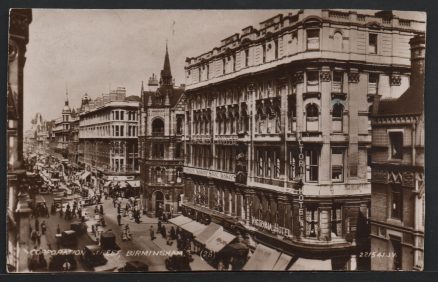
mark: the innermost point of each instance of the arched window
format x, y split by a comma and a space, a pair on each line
312, 117
179, 125
337, 116
337, 41
158, 127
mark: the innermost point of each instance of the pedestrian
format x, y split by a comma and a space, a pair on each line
101, 209
151, 232
43, 227
58, 230
37, 224
172, 233
96, 209
42, 260
119, 219
66, 266
114, 202
30, 230
163, 231
159, 226
38, 238
33, 236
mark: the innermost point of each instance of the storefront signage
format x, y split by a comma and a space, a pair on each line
210, 173
274, 228
300, 183
119, 178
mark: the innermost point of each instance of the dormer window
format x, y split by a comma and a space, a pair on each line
313, 39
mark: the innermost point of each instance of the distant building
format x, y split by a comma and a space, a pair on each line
397, 190
278, 131
62, 131
108, 146
161, 149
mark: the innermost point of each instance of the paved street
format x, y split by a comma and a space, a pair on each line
141, 240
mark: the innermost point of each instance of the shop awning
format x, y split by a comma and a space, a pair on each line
134, 183
263, 258
180, 220
311, 264
282, 262
85, 175
194, 227
208, 232
219, 240
107, 184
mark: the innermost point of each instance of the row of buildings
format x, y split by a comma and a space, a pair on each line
305, 134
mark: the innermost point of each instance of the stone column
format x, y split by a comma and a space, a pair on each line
356, 87
325, 126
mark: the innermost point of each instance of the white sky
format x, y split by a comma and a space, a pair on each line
90, 51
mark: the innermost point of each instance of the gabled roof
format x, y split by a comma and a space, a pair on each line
174, 96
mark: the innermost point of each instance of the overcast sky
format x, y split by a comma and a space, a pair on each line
91, 51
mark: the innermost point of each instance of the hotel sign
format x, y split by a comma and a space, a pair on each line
274, 228
210, 173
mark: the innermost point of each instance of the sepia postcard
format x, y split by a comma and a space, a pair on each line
215, 140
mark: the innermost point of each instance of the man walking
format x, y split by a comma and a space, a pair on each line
119, 219
151, 232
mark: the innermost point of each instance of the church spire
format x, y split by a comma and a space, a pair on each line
166, 74
66, 96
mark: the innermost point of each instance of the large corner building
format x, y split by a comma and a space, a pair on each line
278, 131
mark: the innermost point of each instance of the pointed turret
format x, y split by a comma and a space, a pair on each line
66, 108
166, 73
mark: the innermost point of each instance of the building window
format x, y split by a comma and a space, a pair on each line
312, 39
223, 65
312, 159
158, 150
122, 113
246, 57
117, 130
117, 115
337, 164
178, 150
337, 81
372, 43
397, 248
373, 82
122, 130
396, 145
158, 127
264, 53
337, 40
312, 81
396, 202
276, 48
311, 221
337, 117
312, 117
336, 222
293, 166
179, 125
